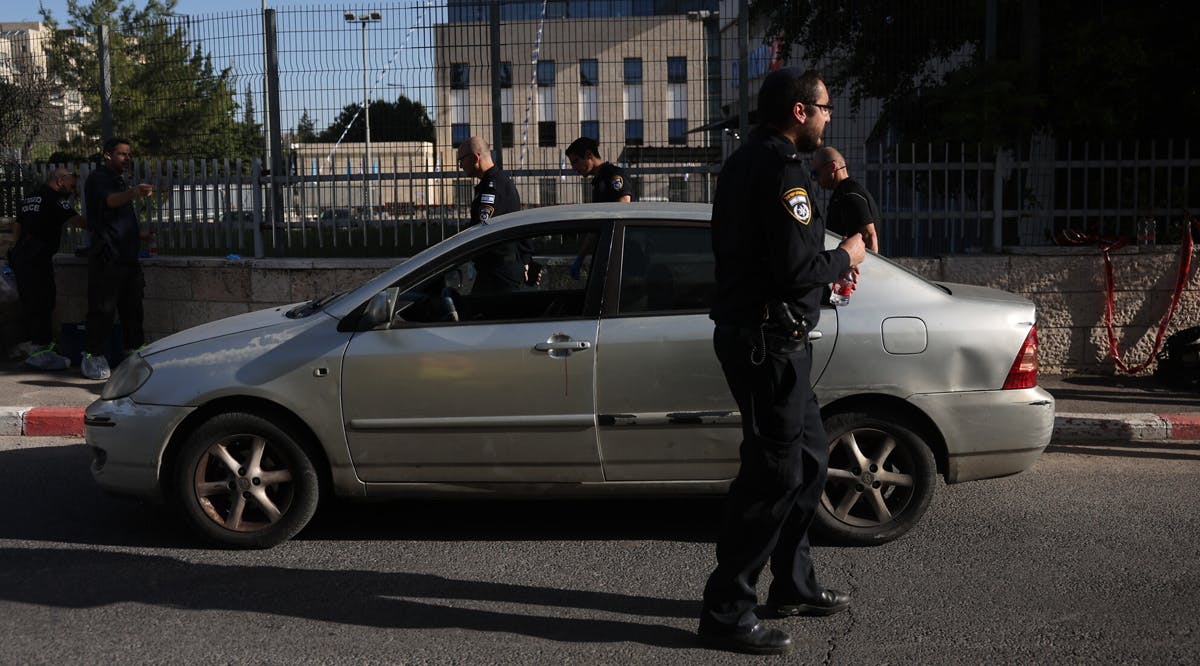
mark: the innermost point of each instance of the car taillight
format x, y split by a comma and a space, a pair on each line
1024, 371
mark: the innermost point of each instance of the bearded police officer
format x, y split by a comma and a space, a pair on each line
771, 271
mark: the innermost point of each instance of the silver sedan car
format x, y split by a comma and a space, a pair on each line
595, 375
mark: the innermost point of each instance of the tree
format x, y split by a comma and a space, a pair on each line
306, 130
1079, 69
27, 110
402, 120
166, 95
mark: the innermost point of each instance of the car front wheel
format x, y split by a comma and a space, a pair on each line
244, 482
880, 482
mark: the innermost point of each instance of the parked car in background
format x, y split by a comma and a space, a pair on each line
415, 384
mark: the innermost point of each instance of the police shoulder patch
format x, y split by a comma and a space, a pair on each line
486, 212
618, 183
797, 204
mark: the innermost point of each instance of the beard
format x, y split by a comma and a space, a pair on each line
809, 139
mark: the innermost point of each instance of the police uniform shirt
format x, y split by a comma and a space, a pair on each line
114, 230
42, 217
851, 207
611, 183
501, 267
495, 195
768, 237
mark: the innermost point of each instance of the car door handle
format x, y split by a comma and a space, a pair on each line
566, 345
814, 335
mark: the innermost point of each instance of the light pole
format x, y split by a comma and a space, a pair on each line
364, 19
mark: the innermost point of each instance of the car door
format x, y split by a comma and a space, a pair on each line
504, 394
664, 409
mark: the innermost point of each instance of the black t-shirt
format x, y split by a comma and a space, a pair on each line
611, 183
114, 230
768, 236
851, 207
42, 217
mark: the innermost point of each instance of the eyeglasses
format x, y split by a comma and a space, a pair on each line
827, 107
464, 156
816, 170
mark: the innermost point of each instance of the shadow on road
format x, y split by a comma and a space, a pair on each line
72, 578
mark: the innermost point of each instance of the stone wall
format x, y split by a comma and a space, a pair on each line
1069, 288
1067, 284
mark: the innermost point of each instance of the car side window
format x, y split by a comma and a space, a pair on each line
666, 269
540, 276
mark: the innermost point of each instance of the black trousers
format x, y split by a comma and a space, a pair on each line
35, 282
784, 457
114, 289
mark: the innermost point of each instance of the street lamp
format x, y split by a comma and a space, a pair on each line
364, 19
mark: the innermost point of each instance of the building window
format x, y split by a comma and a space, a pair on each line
590, 129
545, 73
547, 133
677, 131
633, 132
676, 70
589, 72
506, 135
633, 71
459, 132
548, 191
677, 101
460, 78
547, 127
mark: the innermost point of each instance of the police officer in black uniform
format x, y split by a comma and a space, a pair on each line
851, 208
503, 267
116, 283
771, 271
609, 181
37, 232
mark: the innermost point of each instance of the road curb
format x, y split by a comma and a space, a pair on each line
1130, 428
1135, 428
42, 421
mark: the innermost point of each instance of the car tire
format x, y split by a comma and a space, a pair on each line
880, 482
244, 482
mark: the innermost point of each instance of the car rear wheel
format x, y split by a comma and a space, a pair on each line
244, 482
880, 482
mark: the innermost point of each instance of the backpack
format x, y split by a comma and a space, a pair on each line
1179, 360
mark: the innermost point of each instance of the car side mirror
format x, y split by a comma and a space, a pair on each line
379, 309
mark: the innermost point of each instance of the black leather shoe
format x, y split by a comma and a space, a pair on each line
830, 602
759, 640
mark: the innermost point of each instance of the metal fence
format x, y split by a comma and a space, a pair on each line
307, 168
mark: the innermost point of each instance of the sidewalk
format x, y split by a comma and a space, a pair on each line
1089, 408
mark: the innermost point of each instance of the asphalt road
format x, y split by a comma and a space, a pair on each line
1090, 557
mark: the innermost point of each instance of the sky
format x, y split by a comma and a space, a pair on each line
28, 11
324, 74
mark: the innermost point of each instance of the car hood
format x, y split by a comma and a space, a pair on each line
222, 327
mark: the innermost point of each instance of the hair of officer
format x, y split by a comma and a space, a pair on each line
111, 144
582, 146
782, 89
